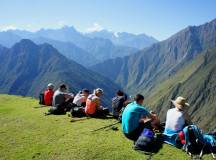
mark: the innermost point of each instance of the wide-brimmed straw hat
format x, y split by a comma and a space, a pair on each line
180, 103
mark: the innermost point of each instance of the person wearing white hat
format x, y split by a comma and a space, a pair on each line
177, 118
48, 94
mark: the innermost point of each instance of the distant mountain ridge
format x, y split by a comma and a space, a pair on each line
27, 68
139, 41
80, 47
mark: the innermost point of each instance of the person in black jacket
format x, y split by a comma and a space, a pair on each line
118, 102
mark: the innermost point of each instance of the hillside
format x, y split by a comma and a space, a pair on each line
27, 68
148, 67
27, 134
70, 51
171, 68
196, 81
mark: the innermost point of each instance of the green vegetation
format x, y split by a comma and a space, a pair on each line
195, 81
27, 134
184, 64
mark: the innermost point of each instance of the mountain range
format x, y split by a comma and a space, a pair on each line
26, 69
184, 64
146, 70
138, 41
82, 48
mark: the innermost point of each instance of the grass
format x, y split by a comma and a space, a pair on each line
27, 134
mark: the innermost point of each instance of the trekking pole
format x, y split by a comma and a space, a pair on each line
105, 127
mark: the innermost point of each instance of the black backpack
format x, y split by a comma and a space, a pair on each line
78, 112
41, 99
149, 142
197, 143
117, 104
57, 110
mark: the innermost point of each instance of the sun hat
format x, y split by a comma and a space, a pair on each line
50, 85
180, 103
99, 90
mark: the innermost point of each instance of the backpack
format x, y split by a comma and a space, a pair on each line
78, 112
196, 143
41, 99
57, 110
117, 105
149, 142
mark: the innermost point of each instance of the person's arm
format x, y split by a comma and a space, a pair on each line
152, 116
98, 103
68, 96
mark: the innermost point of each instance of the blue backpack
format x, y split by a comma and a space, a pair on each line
197, 143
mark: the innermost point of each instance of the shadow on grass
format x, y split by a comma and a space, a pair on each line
80, 119
41, 106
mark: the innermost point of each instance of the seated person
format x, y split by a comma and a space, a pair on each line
134, 118
118, 103
48, 94
62, 98
93, 104
177, 118
80, 98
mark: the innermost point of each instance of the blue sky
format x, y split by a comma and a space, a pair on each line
159, 18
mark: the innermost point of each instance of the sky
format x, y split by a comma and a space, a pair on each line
157, 18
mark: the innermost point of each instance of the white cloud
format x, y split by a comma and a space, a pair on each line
61, 24
95, 28
7, 27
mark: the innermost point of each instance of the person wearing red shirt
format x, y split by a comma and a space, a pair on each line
48, 94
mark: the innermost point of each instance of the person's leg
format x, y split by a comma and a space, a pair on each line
68, 105
134, 135
105, 111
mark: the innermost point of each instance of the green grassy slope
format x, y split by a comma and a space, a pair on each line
196, 82
27, 134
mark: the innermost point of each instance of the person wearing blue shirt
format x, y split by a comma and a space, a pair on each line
132, 118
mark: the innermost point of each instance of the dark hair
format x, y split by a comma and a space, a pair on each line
120, 93
85, 90
63, 86
139, 97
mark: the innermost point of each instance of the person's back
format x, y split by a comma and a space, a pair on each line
48, 96
92, 103
117, 105
175, 120
131, 116
58, 98
81, 97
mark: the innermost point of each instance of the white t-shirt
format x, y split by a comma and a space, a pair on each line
175, 120
79, 99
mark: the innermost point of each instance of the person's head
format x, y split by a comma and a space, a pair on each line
85, 92
63, 87
50, 86
120, 93
139, 99
180, 103
98, 92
